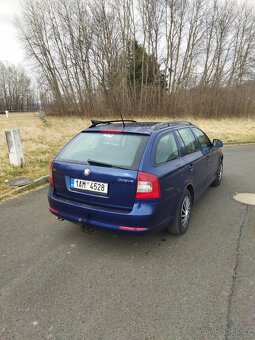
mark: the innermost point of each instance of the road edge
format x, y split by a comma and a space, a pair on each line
39, 182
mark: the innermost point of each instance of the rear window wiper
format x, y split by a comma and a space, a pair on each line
96, 163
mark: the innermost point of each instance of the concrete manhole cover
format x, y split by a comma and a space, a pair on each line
19, 182
245, 198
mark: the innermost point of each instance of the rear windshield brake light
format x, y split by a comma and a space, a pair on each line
110, 131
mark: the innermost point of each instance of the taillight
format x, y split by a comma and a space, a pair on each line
148, 186
51, 174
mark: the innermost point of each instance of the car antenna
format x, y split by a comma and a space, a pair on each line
122, 120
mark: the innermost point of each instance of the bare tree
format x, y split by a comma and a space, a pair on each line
15, 90
141, 56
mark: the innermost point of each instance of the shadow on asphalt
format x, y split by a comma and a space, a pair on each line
135, 244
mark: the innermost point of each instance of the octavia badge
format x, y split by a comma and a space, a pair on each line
86, 172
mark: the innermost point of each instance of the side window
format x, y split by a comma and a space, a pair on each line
181, 143
203, 139
167, 149
189, 140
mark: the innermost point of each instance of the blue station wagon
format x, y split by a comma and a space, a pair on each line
134, 176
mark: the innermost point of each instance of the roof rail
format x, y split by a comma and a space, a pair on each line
166, 124
99, 122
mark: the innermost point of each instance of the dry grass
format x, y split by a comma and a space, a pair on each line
229, 130
41, 141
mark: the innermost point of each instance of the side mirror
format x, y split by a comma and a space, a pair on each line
217, 143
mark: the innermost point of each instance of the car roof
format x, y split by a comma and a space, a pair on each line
131, 126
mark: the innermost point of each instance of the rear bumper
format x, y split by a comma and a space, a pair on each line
144, 215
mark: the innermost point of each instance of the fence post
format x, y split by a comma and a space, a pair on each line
13, 140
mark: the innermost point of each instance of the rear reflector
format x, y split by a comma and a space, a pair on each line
132, 228
51, 174
53, 210
148, 186
110, 131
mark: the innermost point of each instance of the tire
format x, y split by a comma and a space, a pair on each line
218, 179
181, 223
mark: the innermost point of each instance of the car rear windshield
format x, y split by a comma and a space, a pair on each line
105, 149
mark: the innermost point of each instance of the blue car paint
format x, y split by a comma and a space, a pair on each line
142, 214
99, 174
120, 208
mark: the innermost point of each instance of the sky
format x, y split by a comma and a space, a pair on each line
10, 48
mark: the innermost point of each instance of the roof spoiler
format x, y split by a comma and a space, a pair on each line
106, 122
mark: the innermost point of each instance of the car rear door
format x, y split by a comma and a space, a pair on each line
170, 168
210, 153
194, 158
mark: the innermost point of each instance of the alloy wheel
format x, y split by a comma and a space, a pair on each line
185, 211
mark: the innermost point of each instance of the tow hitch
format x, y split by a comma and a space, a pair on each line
84, 227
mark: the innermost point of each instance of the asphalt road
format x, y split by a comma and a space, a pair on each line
57, 282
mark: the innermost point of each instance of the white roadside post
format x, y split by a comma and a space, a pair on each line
13, 140
7, 113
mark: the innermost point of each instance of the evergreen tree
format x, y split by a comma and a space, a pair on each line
143, 68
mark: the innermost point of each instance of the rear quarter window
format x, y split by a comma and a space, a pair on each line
167, 149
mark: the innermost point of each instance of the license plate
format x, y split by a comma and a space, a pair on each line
84, 185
